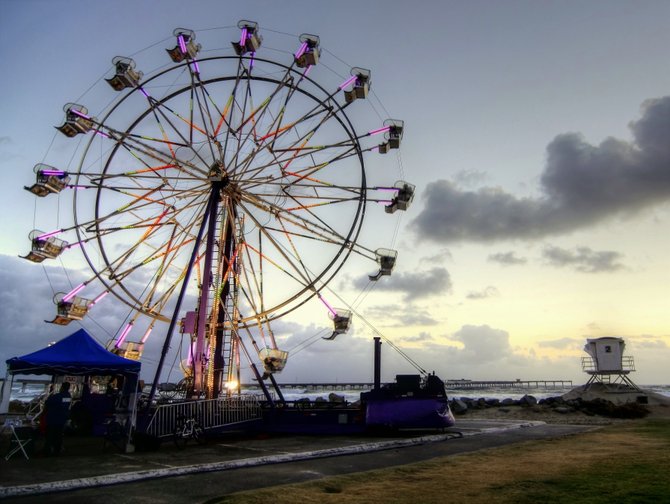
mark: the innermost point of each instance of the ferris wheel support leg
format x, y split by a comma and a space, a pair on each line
199, 353
277, 389
182, 292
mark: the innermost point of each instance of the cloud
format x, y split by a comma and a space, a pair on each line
5, 140
488, 292
507, 258
396, 315
562, 343
581, 184
423, 336
583, 259
482, 343
421, 284
470, 178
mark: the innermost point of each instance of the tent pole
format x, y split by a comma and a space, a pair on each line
6, 393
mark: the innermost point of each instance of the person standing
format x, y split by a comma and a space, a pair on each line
57, 408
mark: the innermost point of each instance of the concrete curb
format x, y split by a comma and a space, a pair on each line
129, 477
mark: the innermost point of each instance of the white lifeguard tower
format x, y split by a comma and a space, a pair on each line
607, 364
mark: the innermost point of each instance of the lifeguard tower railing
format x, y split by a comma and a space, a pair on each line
209, 413
590, 366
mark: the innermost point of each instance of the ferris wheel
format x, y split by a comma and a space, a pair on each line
233, 179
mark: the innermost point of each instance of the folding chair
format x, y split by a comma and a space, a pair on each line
20, 437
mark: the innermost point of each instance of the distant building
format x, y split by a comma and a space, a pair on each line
607, 363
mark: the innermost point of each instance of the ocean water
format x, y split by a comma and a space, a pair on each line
31, 391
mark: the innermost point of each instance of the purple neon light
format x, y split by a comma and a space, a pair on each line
73, 293
302, 50
251, 62
76, 112
243, 37
54, 173
307, 70
123, 334
348, 81
75, 244
48, 235
196, 68
98, 298
182, 44
102, 134
330, 308
145, 93
380, 130
146, 335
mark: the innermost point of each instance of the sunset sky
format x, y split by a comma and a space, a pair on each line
537, 135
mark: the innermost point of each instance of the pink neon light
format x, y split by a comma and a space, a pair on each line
146, 335
243, 38
123, 335
44, 236
301, 51
76, 112
102, 134
182, 43
348, 81
307, 70
251, 62
75, 244
97, 299
380, 130
55, 173
144, 93
73, 293
330, 308
196, 68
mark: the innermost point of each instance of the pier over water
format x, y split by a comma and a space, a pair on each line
449, 385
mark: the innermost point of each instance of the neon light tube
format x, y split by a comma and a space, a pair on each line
251, 62
97, 299
330, 308
55, 173
301, 51
44, 236
380, 130
196, 68
182, 44
73, 293
76, 112
146, 335
243, 38
307, 70
123, 334
348, 81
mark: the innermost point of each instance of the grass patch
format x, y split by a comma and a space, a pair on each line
624, 463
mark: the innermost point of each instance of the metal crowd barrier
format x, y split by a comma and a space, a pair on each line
209, 413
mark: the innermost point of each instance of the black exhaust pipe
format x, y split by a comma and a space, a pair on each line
378, 363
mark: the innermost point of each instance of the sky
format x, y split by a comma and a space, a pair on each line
536, 134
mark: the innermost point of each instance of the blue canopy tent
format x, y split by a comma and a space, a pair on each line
75, 355
78, 354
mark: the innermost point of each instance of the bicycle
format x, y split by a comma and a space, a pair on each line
188, 428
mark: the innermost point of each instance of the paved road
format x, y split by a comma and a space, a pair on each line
269, 461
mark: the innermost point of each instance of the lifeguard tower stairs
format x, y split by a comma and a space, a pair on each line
608, 365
